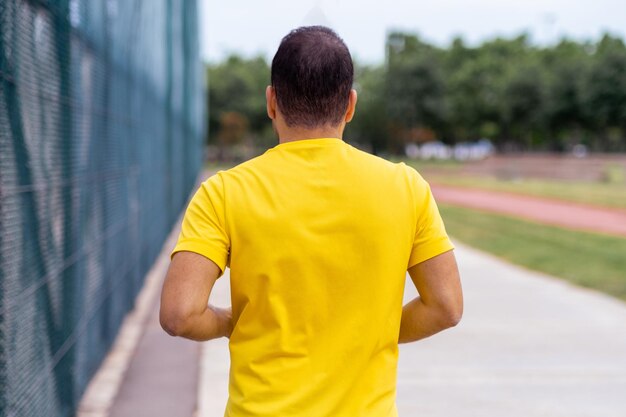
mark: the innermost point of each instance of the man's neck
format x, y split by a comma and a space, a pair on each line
292, 134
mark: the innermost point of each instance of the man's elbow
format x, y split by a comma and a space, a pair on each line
173, 322
451, 315
455, 317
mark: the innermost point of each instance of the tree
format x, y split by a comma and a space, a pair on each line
565, 69
605, 93
237, 85
370, 122
415, 88
523, 101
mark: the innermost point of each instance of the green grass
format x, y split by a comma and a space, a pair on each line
601, 194
587, 259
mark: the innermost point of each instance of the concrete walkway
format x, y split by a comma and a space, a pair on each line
529, 345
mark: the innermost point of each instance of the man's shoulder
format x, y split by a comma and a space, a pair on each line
381, 165
245, 168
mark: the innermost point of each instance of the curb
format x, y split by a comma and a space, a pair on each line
105, 384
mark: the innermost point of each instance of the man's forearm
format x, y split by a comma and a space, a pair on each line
420, 321
212, 323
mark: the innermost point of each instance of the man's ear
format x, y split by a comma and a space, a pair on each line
270, 100
351, 106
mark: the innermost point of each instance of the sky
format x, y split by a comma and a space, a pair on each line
253, 27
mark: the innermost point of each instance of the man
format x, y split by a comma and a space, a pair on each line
319, 237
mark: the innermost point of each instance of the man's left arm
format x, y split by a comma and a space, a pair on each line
185, 309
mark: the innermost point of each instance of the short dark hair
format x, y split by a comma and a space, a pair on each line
312, 74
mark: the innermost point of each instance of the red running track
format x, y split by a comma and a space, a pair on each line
547, 211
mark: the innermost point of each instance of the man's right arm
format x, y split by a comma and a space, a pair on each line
440, 301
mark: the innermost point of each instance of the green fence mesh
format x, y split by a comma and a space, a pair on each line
101, 119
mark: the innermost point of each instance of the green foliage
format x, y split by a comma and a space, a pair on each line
484, 87
415, 86
605, 91
566, 71
370, 125
237, 86
587, 259
520, 96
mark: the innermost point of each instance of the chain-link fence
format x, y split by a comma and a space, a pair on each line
101, 119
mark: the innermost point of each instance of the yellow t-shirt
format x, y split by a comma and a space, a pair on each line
318, 236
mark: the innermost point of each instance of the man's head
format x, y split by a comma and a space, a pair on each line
312, 75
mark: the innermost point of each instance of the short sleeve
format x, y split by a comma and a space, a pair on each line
203, 230
430, 238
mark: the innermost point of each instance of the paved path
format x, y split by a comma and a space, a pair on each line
162, 380
547, 211
529, 345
